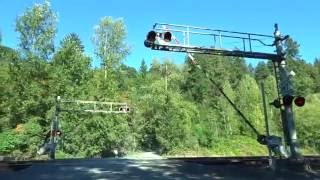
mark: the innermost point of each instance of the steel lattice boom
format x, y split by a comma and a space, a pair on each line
166, 37
95, 106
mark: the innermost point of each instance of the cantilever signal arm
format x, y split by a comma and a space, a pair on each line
213, 51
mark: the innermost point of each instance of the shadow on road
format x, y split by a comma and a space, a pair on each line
113, 168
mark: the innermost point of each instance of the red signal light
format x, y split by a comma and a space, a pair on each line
300, 101
167, 36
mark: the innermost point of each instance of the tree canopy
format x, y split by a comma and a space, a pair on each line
173, 109
37, 30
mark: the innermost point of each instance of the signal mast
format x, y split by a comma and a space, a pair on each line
161, 38
72, 106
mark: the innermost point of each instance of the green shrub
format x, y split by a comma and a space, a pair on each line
10, 141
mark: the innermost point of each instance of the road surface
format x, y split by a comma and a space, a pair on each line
152, 167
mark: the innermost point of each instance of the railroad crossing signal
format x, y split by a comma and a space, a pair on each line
77, 106
287, 101
299, 101
159, 39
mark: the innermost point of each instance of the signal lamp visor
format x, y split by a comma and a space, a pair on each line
151, 36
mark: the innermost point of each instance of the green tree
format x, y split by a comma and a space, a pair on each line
175, 122
111, 48
317, 74
27, 89
166, 119
172, 74
261, 71
29, 78
126, 77
37, 29
248, 99
96, 135
155, 69
8, 59
109, 42
304, 79
71, 68
74, 41
143, 69
26, 101
291, 49
273, 112
236, 68
228, 122
197, 85
305, 76
308, 122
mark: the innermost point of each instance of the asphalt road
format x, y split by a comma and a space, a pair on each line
113, 168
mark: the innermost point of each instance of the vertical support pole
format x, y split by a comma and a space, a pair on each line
51, 141
265, 109
286, 89
287, 113
54, 128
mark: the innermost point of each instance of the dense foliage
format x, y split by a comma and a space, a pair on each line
174, 109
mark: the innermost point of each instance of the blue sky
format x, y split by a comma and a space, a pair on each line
299, 19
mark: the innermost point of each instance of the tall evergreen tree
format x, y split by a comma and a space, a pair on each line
261, 71
143, 69
71, 67
317, 74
